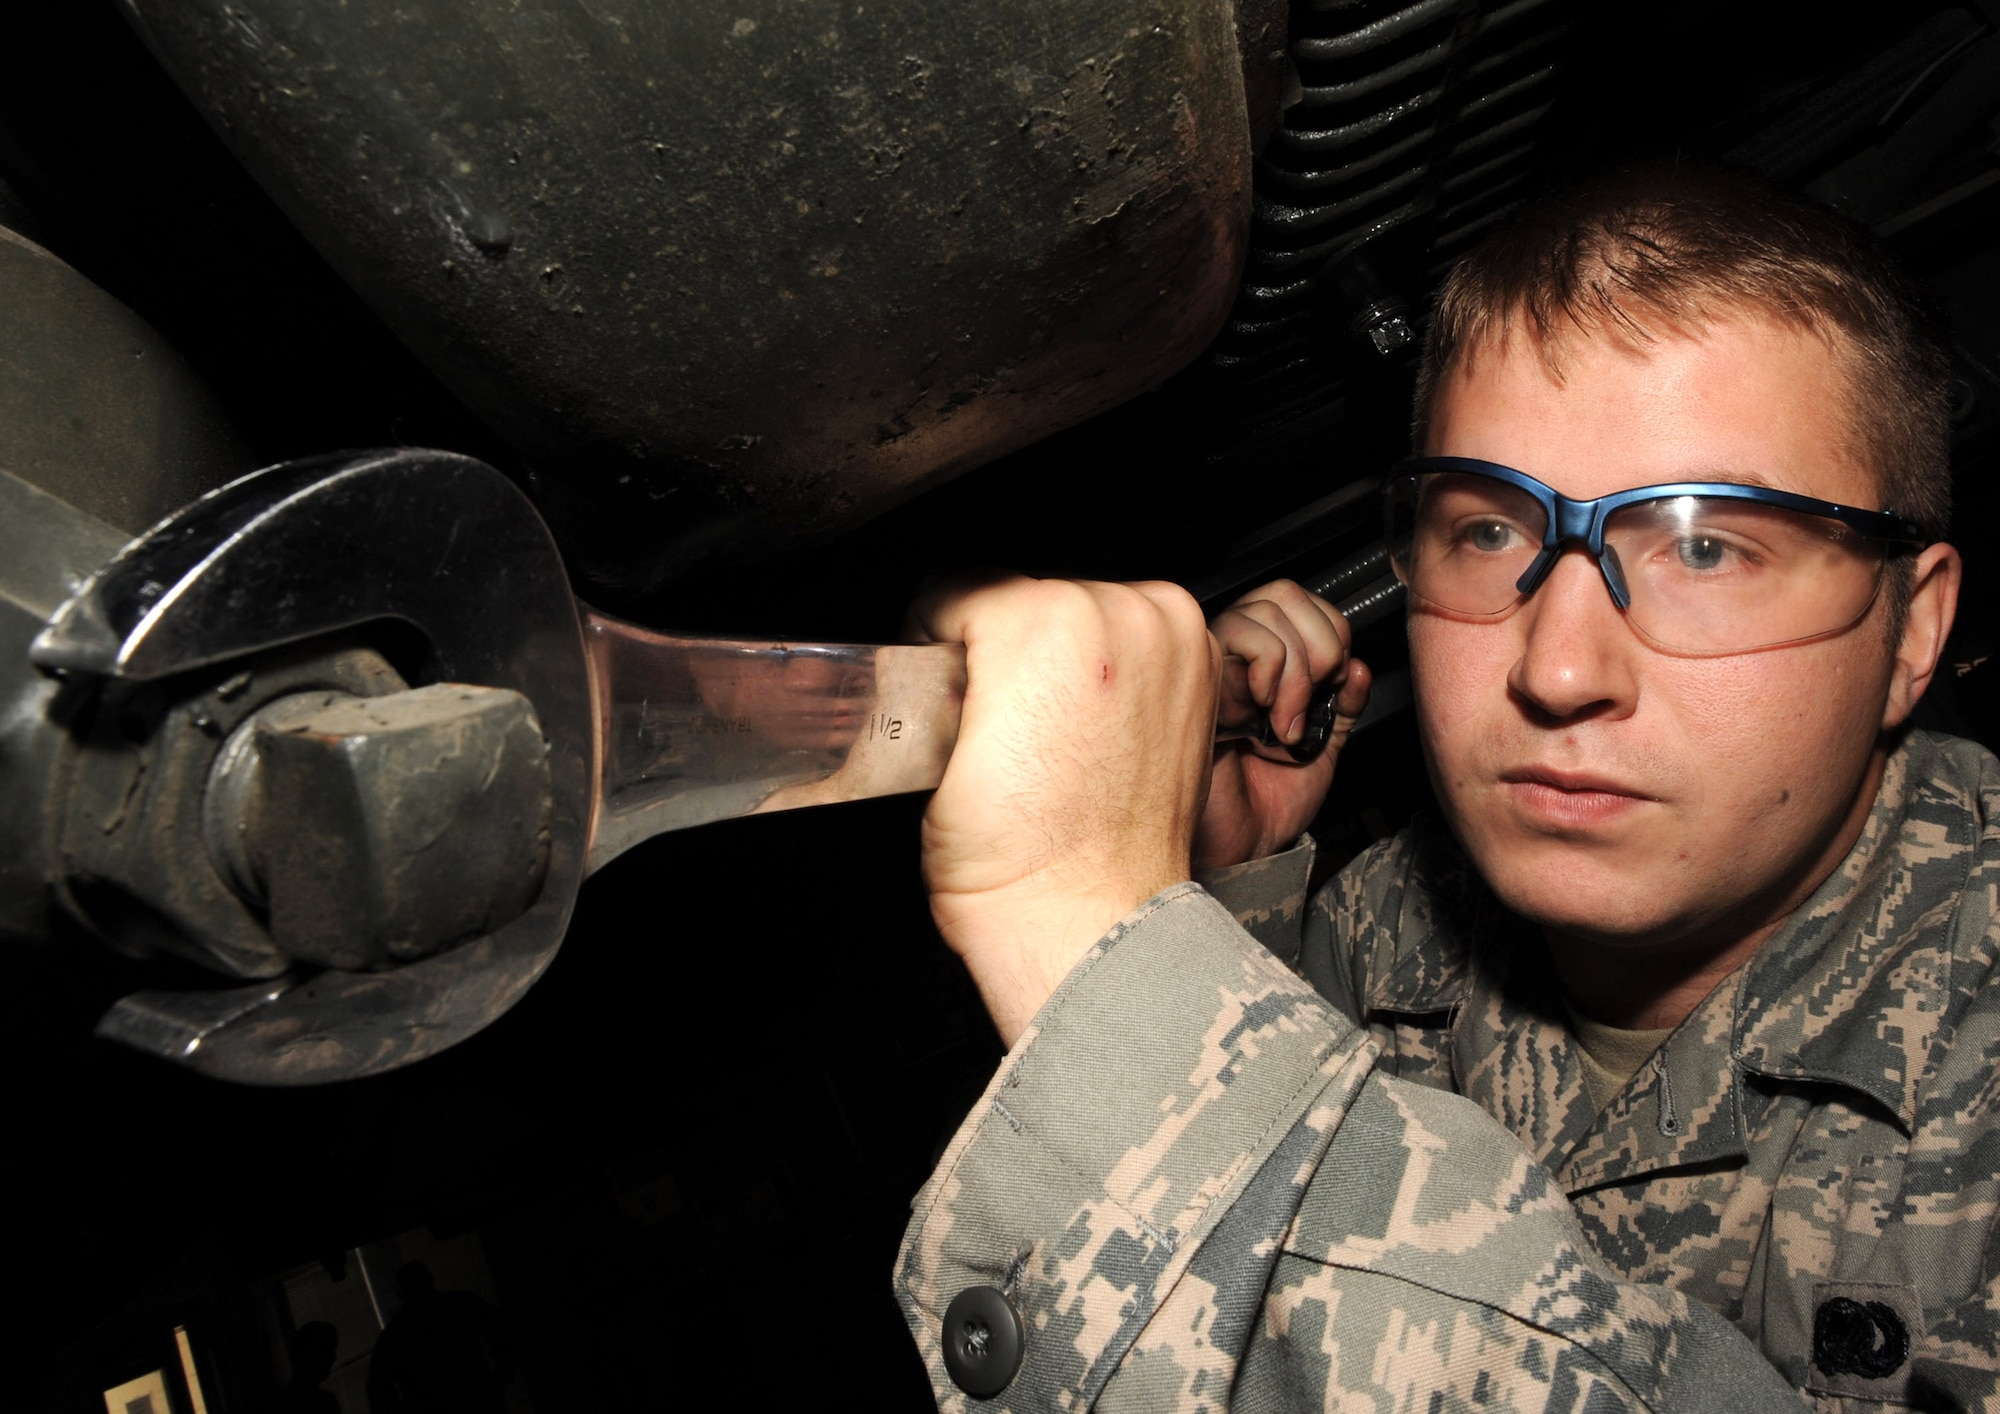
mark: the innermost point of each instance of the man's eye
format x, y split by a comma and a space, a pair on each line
1701, 552
1489, 535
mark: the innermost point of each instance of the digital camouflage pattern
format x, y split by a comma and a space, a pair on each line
1193, 1182
1823, 1128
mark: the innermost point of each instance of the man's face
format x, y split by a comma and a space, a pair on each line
1605, 789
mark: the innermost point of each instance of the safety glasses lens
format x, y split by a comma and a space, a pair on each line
1709, 574
1704, 574
1463, 541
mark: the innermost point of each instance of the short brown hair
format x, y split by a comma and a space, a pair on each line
1669, 248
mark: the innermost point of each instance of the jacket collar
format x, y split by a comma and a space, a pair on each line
1852, 990
1849, 992
1439, 906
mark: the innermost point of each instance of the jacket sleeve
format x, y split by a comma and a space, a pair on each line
1329, 938
1267, 897
1193, 1188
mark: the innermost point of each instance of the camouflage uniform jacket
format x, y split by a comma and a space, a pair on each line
1814, 1152
1193, 1184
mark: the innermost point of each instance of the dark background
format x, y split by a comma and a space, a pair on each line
687, 1155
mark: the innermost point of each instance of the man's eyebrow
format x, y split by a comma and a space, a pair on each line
1730, 476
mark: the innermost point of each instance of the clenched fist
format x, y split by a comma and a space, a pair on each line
1078, 780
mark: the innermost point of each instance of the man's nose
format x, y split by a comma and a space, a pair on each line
1576, 657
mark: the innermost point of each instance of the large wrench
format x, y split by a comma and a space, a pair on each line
646, 732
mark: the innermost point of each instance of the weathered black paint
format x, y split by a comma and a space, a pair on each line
735, 275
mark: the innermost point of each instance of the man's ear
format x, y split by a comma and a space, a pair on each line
1933, 605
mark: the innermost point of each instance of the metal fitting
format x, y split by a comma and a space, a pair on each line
134, 866
378, 830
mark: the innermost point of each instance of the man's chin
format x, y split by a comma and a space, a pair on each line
1582, 889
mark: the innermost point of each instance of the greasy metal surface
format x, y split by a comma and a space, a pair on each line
95, 407
1262, 27
174, 1025
103, 428
731, 277
1412, 120
703, 729
378, 830
438, 542
47, 548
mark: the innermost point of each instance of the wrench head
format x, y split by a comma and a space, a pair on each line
440, 542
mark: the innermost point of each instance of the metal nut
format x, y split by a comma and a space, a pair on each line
382, 829
135, 869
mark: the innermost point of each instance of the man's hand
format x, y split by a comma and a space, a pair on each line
1082, 759
1259, 799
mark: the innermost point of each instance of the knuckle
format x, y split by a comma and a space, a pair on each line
1155, 612
1062, 600
1271, 589
1173, 602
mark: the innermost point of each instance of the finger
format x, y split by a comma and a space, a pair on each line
943, 606
1262, 649
1348, 706
1323, 627
1326, 635
1292, 686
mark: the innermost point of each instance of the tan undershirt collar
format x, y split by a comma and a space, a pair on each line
1611, 1056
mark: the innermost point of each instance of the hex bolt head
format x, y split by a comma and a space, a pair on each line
382, 829
1389, 333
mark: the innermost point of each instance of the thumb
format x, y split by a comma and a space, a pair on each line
1348, 704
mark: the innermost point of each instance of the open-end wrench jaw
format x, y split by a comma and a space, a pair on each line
163, 604
316, 547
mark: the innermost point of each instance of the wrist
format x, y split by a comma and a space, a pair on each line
1019, 942
1226, 853
1205, 870
1246, 840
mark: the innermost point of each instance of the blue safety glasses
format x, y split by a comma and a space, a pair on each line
1699, 567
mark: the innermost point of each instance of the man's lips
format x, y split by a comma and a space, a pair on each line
1576, 782
1570, 799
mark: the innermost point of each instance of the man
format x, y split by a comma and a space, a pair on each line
1706, 932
